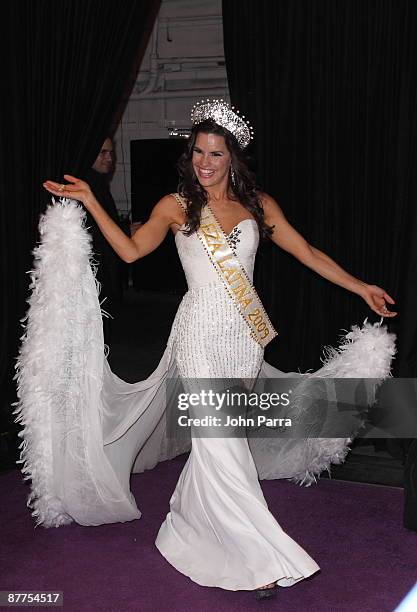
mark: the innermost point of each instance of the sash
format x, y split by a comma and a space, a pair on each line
233, 275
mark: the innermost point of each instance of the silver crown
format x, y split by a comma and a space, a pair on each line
225, 115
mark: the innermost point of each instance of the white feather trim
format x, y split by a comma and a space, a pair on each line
59, 260
365, 353
60, 376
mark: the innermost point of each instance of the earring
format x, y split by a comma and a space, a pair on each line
233, 176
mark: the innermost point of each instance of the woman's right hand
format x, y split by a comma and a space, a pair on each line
76, 189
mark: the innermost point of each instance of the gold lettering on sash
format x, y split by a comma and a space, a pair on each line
214, 247
227, 273
236, 279
241, 291
236, 282
222, 261
210, 232
245, 303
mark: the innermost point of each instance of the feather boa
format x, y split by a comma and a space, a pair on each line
365, 352
51, 359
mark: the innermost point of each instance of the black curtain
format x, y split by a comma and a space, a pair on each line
330, 87
67, 67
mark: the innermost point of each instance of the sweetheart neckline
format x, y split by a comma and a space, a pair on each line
227, 235
237, 225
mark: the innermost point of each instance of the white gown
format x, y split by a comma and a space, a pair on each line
219, 531
84, 428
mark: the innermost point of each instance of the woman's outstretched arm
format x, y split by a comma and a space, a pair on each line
285, 236
145, 240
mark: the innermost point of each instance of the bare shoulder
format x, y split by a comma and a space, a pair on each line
169, 208
165, 205
270, 206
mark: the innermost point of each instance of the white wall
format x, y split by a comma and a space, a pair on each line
183, 63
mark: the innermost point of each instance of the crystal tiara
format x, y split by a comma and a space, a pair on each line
225, 115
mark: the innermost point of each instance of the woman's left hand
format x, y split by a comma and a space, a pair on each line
377, 299
75, 189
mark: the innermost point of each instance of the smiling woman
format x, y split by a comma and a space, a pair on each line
219, 332
211, 159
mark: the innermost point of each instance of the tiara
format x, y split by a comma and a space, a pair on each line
223, 114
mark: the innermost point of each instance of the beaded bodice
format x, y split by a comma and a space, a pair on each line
198, 268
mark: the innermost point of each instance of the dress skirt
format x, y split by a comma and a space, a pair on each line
219, 530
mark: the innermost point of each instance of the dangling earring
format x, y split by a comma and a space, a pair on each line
233, 176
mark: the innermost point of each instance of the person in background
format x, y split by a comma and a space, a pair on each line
109, 264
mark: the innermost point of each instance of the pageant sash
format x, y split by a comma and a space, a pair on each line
233, 275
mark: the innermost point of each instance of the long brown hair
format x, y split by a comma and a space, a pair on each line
244, 189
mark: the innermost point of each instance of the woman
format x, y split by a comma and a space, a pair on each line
218, 506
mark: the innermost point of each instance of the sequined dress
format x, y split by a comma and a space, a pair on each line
219, 531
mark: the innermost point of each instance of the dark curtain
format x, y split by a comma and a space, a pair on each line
330, 88
67, 67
